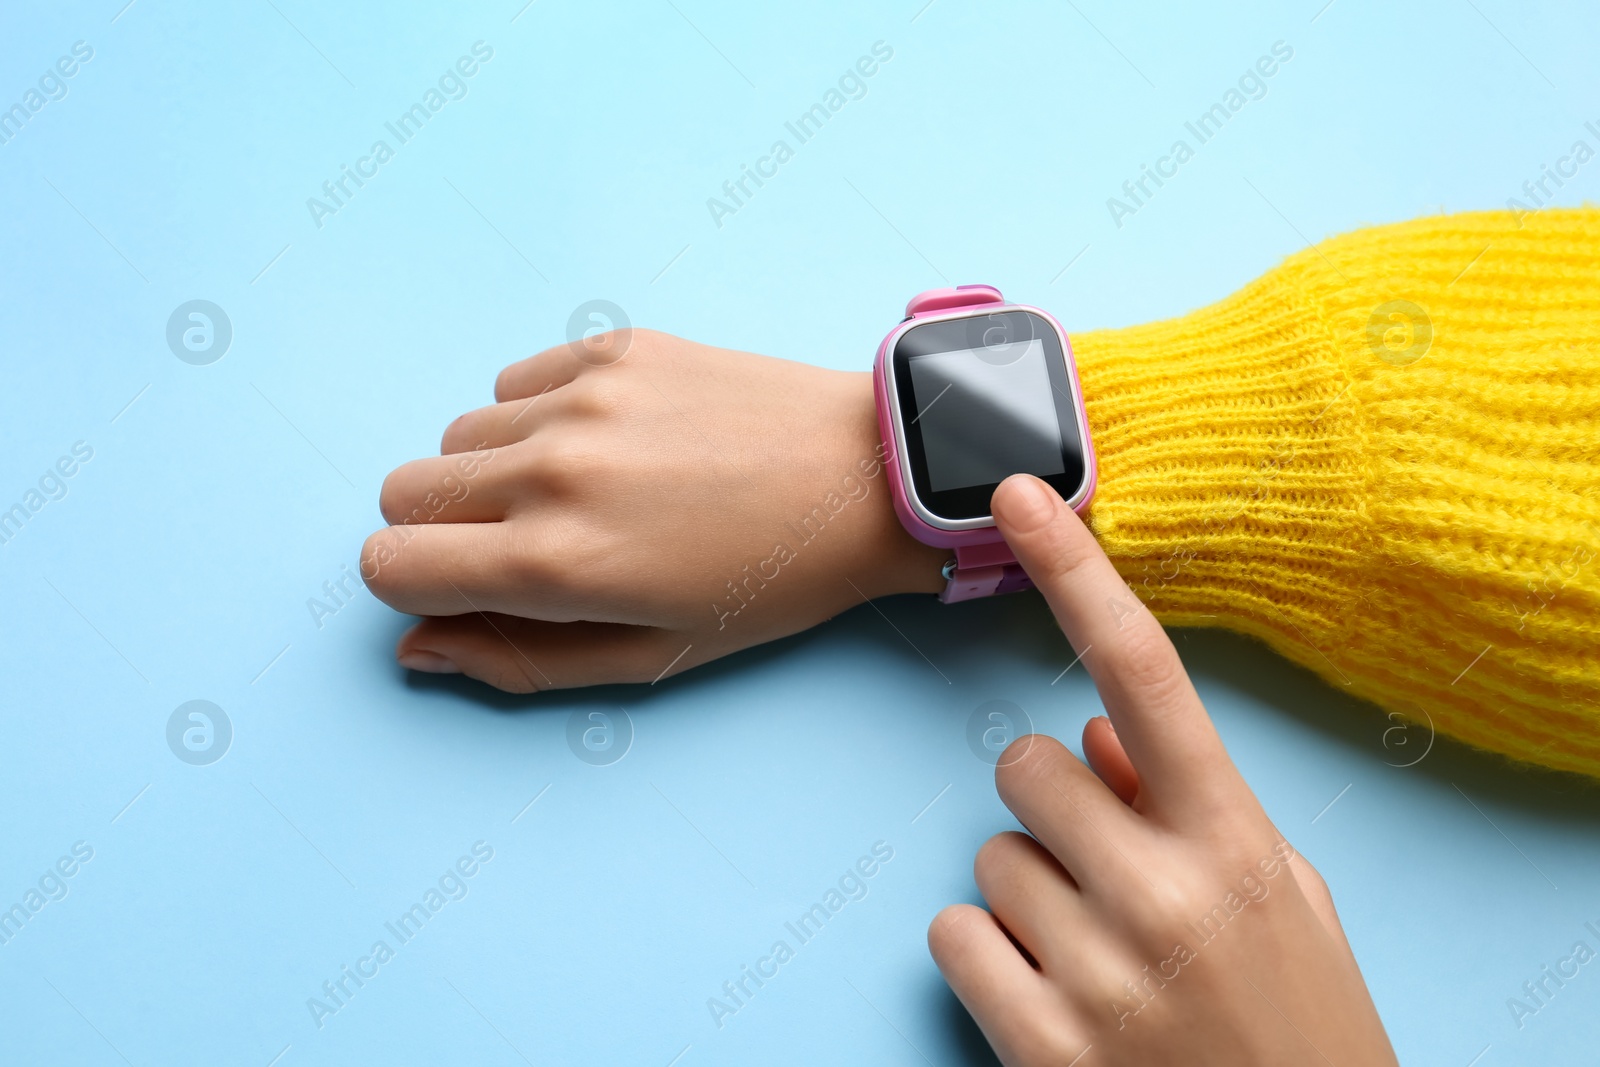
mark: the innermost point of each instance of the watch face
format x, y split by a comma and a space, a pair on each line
980, 398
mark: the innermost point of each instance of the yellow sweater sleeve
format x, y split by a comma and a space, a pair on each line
1383, 459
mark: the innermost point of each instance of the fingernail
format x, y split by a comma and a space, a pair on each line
1109, 725
420, 659
1025, 503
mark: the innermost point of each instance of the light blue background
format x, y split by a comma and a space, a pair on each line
179, 563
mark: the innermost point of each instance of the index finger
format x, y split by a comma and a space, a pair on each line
1157, 714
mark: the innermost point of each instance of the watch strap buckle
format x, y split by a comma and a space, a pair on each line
983, 570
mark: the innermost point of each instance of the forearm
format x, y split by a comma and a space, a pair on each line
1380, 458
1384, 466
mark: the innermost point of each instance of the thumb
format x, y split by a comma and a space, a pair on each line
528, 656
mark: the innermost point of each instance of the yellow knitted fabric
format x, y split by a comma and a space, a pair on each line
1383, 459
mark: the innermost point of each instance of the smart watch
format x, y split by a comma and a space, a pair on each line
971, 390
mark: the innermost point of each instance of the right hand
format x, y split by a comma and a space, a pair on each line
626, 518
1153, 914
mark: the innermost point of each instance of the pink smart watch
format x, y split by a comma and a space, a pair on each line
971, 390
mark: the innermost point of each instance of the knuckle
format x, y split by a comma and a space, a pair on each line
1235, 855
1311, 878
532, 569
562, 464
546, 564
647, 347
1170, 902
607, 348
601, 396
1063, 557
647, 339
512, 675
1157, 914
1144, 659
1205, 892
1047, 1041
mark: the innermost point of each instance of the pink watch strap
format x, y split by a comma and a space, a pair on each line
960, 296
983, 570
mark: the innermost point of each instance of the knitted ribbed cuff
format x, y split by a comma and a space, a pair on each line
1383, 459
1228, 479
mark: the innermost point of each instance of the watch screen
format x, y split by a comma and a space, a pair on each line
966, 398
982, 398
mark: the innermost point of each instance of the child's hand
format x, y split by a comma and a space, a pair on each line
1156, 916
618, 518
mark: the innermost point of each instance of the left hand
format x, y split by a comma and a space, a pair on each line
617, 517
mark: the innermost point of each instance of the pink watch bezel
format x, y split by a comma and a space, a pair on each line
978, 546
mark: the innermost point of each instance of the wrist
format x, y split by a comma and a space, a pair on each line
886, 559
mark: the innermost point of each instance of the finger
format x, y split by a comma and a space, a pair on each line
1034, 897
494, 426
1109, 760
550, 369
526, 656
435, 490
1011, 1002
454, 568
1071, 812
1159, 718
